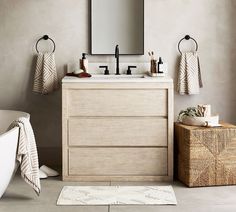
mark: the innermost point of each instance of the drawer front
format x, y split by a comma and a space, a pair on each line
112, 131
117, 102
118, 161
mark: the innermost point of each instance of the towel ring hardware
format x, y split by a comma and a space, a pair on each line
45, 37
187, 37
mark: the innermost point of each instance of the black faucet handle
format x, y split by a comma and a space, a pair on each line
106, 72
129, 70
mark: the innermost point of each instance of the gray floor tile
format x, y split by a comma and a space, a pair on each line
21, 198
179, 208
52, 208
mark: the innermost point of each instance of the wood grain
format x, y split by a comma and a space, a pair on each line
113, 131
64, 133
117, 102
128, 125
127, 178
118, 161
170, 132
118, 86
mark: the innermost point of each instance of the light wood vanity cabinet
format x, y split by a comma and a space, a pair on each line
117, 131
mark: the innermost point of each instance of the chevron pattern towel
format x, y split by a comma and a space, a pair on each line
45, 78
189, 79
27, 155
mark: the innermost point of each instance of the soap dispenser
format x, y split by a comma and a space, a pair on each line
84, 62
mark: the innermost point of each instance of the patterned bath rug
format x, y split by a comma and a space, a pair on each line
117, 195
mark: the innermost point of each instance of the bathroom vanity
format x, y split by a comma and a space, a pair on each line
117, 128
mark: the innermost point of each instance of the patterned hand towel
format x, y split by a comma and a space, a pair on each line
45, 78
189, 79
27, 155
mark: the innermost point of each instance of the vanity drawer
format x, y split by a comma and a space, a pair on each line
117, 102
118, 161
117, 131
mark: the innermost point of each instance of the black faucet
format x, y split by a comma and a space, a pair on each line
117, 56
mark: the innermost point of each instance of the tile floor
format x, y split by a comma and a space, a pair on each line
21, 198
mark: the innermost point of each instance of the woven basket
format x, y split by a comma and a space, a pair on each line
206, 156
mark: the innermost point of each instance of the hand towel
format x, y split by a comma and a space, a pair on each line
189, 78
45, 78
27, 155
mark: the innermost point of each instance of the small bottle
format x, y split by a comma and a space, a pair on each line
160, 66
84, 62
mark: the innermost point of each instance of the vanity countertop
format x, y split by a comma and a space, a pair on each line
115, 78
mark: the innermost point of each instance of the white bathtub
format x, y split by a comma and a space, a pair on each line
8, 146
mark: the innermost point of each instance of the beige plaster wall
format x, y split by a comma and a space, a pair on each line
211, 22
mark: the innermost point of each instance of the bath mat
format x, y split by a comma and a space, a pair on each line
117, 195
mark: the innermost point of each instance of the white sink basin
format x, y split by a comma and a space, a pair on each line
117, 76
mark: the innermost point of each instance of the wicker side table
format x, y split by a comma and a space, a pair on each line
206, 156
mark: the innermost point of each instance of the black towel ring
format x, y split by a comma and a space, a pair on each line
187, 37
45, 37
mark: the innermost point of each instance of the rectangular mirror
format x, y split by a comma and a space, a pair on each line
117, 22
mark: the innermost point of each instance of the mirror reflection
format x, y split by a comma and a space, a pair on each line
117, 22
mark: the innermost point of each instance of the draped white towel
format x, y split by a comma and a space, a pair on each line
27, 155
45, 78
189, 78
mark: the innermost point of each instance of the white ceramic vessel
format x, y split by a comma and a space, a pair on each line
8, 146
201, 121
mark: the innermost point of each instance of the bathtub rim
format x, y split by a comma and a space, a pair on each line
21, 114
25, 114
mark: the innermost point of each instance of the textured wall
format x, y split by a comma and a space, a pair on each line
211, 22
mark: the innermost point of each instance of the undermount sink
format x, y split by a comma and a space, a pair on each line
99, 78
136, 76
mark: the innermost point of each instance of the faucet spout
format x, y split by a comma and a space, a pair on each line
117, 56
